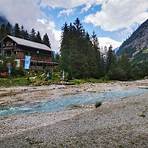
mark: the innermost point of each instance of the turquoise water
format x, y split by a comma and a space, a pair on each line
64, 102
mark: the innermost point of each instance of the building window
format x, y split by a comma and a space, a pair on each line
4, 45
8, 53
9, 44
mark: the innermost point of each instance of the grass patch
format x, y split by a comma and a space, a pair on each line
77, 81
37, 81
8, 82
91, 80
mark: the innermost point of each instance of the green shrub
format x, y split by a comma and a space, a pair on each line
2, 68
91, 80
78, 81
56, 76
117, 73
18, 72
101, 80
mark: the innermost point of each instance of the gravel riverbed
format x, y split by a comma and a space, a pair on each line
120, 124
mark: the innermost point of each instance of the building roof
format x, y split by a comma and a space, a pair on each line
27, 43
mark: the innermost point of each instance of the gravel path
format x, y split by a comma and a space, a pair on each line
14, 124
121, 124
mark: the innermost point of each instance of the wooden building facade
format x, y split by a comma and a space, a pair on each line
41, 55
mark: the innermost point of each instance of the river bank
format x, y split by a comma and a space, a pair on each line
123, 123
21, 95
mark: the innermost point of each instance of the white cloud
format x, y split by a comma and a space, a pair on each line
90, 3
67, 4
105, 41
25, 12
86, 8
66, 12
117, 14
54, 34
28, 13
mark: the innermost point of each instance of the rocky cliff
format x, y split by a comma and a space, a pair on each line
137, 42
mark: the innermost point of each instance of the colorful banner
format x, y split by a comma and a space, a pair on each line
27, 62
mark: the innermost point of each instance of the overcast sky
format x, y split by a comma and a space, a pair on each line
112, 20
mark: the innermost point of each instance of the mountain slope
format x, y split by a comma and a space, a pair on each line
106, 41
136, 42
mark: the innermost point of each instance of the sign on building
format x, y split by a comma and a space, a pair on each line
27, 62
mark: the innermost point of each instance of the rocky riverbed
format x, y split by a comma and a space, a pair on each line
123, 123
30, 94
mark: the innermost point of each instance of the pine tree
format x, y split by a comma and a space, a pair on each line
38, 37
125, 65
17, 32
65, 50
22, 32
79, 57
78, 25
77, 50
97, 59
46, 40
56, 58
9, 28
111, 59
3, 31
113, 70
86, 61
32, 36
26, 35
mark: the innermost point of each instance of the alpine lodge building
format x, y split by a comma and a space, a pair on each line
40, 54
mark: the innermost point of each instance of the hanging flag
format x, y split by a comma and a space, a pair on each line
27, 62
9, 66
